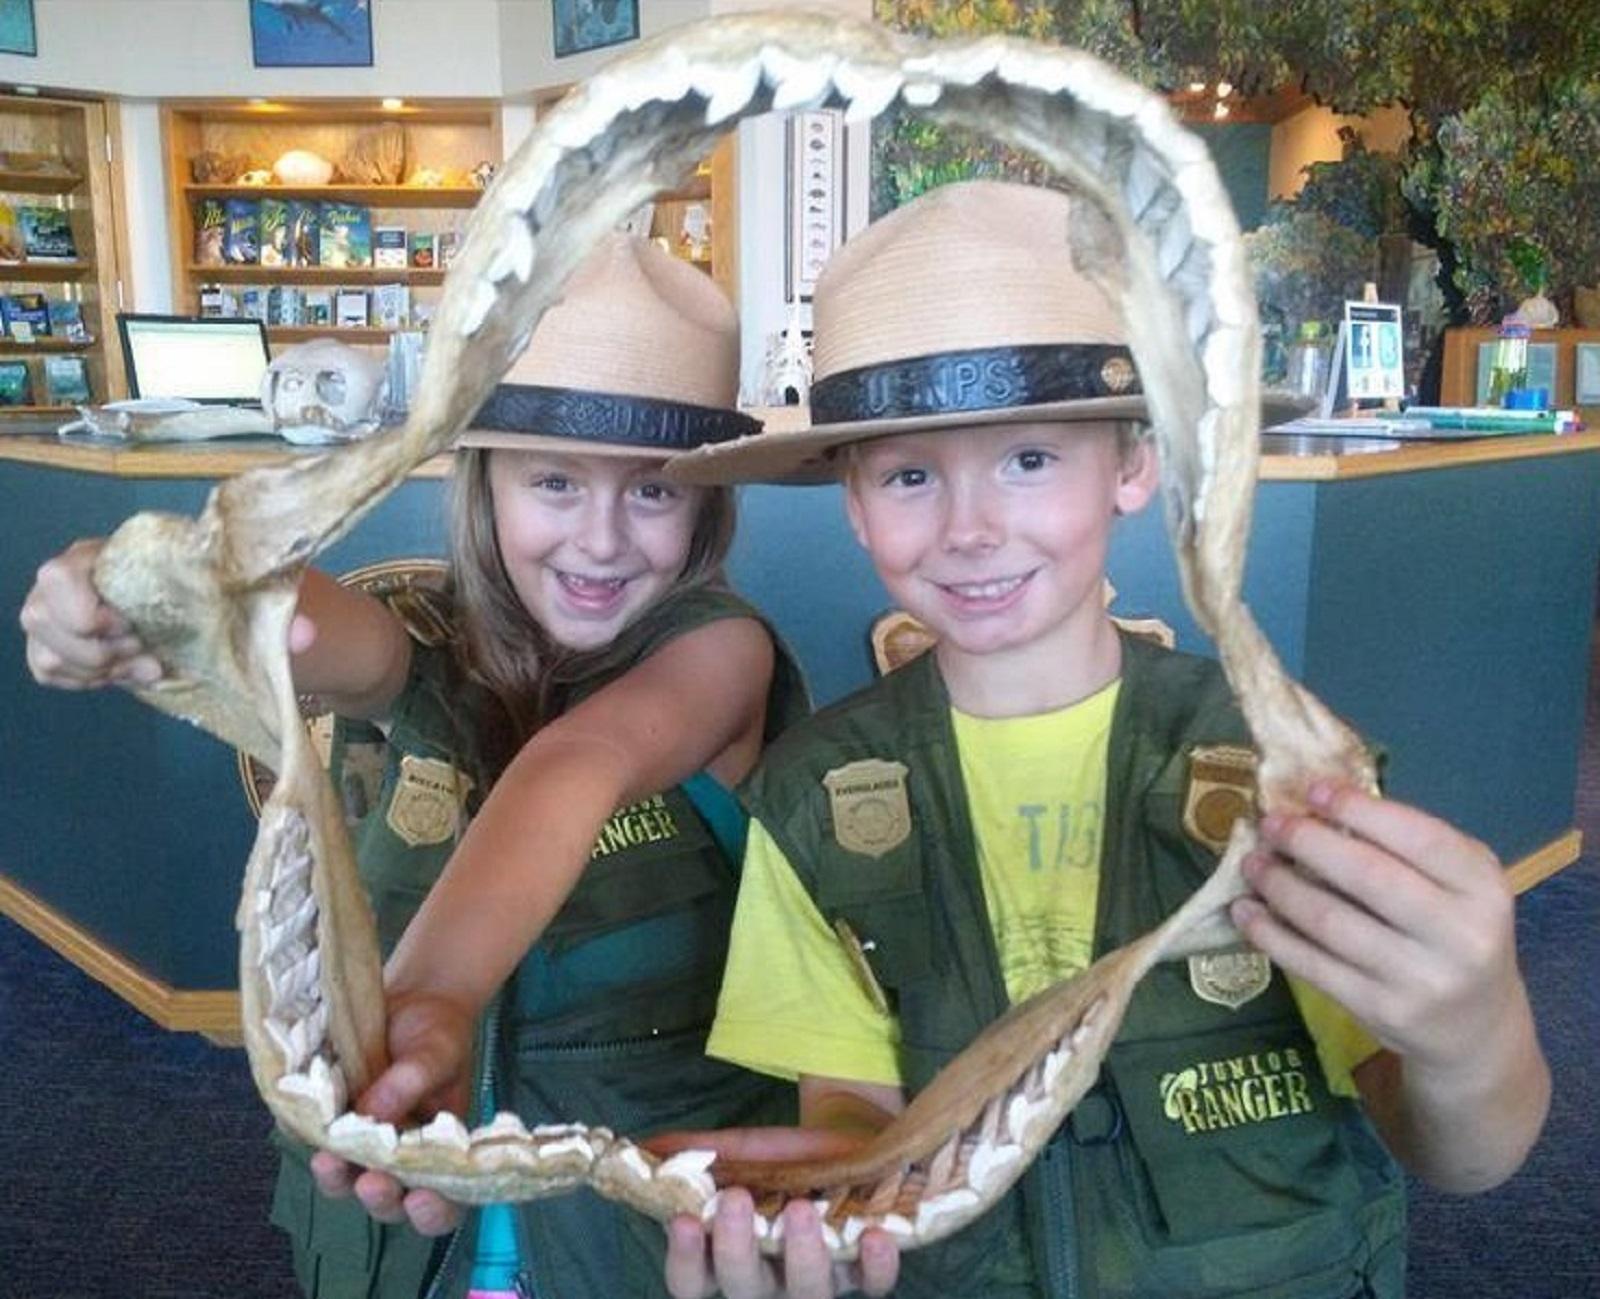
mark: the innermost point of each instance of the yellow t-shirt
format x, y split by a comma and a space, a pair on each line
792, 1002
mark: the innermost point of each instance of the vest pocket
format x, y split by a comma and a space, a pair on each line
1231, 1131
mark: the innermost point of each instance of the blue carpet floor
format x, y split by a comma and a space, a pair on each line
134, 1162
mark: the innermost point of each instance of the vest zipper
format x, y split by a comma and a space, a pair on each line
1063, 1260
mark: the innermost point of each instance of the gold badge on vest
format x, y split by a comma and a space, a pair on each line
1222, 788
871, 814
427, 801
1230, 978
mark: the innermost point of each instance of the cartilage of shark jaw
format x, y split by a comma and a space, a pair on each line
213, 597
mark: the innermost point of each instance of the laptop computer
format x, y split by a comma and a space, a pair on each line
205, 359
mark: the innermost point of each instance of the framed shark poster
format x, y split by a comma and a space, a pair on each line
311, 33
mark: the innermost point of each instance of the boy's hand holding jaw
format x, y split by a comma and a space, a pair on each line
1408, 924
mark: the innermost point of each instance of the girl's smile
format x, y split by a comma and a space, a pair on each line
589, 542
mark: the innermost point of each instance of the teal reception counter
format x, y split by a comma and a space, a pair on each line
1440, 596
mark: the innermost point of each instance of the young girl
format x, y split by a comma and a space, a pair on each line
588, 664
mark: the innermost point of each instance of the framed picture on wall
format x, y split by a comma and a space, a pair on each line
1586, 374
307, 34
17, 35
581, 25
816, 197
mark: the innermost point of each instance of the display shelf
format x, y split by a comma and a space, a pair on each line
43, 272
399, 196
77, 139
236, 273
446, 137
346, 333
37, 182
10, 347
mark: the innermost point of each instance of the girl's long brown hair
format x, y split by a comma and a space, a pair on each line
503, 650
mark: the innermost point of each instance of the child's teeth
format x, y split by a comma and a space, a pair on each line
987, 590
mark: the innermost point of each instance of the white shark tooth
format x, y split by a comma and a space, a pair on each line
358, 1132
446, 1129
964, 64
1034, 66
1020, 1114
690, 1166
515, 254
854, 1227
1223, 359
726, 89
991, 1166
671, 77
899, 1226
870, 89
933, 1211
708, 1210
797, 82
1054, 1063
317, 1085
922, 94
480, 302
634, 1160
504, 1124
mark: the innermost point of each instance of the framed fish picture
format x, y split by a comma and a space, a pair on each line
311, 33
581, 25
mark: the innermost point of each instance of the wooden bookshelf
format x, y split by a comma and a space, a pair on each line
447, 137
73, 165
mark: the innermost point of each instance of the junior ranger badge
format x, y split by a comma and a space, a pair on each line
427, 801
1230, 978
1222, 781
867, 799
1222, 788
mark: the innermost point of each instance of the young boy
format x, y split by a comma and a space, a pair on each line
1026, 797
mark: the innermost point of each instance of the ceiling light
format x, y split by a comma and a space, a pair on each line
1197, 87
1220, 111
393, 104
1224, 89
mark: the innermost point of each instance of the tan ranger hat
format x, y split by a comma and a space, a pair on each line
963, 307
639, 358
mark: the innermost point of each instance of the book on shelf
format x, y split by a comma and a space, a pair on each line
305, 232
391, 305
318, 306
66, 320
210, 219
388, 245
350, 309
346, 235
26, 316
241, 232
46, 233
449, 244
217, 301
253, 302
422, 249
12, 249
286, 305
66, 380
16, 389
274, 232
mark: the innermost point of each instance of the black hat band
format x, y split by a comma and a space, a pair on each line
981, 379
645, 422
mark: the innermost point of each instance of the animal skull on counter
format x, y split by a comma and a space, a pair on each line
324, 391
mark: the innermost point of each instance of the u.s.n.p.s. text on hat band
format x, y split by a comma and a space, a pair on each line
975, 379
611, 418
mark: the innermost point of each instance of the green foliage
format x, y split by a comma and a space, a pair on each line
1306, 267
1514, 187
1361, 191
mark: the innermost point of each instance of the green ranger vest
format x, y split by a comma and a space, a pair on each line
604, 1021
1209, 1160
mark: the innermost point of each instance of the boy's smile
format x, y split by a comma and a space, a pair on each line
995, 537
589, 542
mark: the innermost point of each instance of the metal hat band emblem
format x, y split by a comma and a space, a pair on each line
871, 813
1118, 374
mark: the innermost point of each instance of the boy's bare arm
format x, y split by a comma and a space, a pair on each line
1408, 924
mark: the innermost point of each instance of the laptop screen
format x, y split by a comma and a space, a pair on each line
194, 357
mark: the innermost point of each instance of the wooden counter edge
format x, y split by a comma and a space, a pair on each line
218, 460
